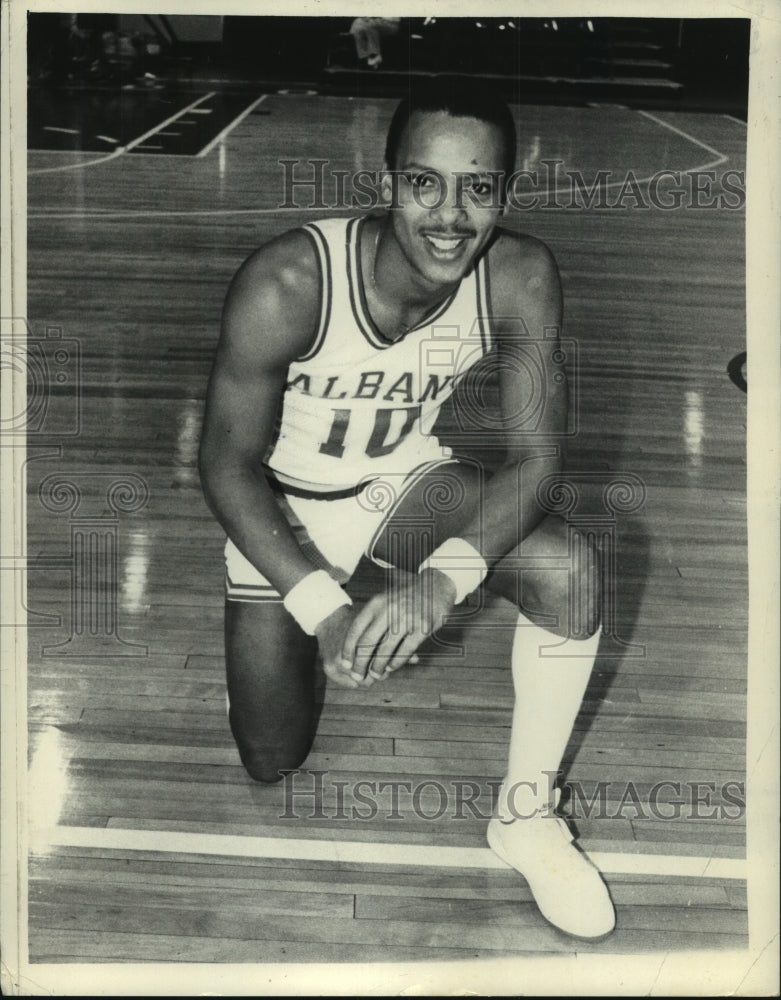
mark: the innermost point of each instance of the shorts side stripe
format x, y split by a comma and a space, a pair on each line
250, 592
410, 480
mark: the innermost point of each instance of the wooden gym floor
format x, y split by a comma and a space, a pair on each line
147, 840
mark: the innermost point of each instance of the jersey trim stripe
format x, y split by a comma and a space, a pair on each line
483, 302
282, 484
358, 303
326, 288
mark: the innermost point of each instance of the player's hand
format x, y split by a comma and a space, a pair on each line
330, 637
385, 633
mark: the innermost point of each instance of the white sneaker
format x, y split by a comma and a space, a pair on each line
566, 886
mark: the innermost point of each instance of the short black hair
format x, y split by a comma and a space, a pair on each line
460, 97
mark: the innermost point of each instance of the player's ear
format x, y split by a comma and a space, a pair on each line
503, 193
386, 184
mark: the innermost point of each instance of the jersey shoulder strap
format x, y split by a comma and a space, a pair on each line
483, 290
331, 238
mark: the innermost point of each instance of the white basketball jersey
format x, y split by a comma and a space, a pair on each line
359, 406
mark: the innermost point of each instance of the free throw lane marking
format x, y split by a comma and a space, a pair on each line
131, 145
294, 849
171, 120
231, 125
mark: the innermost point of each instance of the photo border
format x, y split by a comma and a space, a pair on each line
750, 972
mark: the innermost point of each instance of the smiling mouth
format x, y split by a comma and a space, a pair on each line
446, 246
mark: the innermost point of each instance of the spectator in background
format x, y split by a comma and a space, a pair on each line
369, 33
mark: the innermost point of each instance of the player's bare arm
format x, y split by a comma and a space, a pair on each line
269, 319
526, 309
526, 306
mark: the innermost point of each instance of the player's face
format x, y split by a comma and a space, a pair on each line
446, 203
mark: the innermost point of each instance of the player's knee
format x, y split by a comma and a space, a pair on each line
260, 771
267, 764
585, 562
574, 590
270, 769
586, 593
586, 625
579, 550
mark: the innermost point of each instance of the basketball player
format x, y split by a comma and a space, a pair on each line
340, 342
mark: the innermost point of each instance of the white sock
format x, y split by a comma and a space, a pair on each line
549, 687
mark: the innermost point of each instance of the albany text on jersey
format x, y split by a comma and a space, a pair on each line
358, 405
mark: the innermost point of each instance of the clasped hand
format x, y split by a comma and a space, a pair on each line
360, 647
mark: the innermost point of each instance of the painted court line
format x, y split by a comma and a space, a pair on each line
75, 166
62, 152
131, 145
293, 849
57, 213
168, 214
169, 121
721, 157
231, 125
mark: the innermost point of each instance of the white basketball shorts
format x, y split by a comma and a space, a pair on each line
333, 533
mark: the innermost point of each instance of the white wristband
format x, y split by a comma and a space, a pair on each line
460, 561
313, 599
